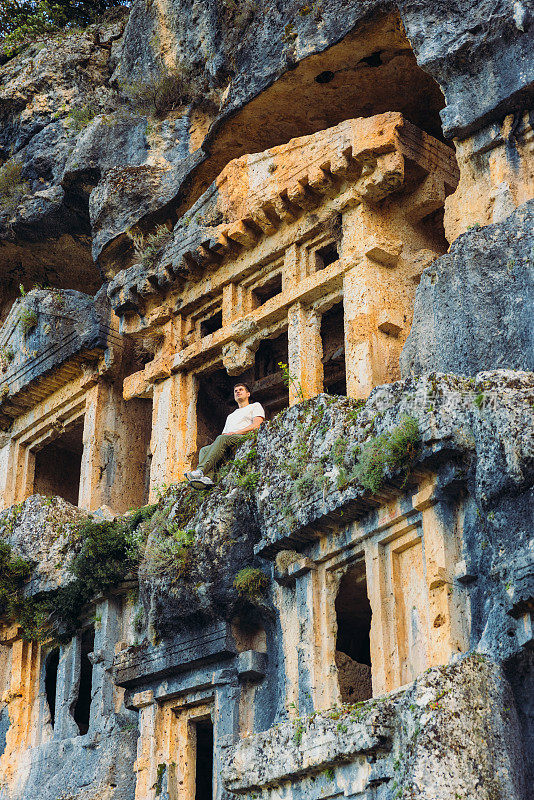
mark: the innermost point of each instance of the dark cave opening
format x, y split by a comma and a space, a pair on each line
353, 649
51, 669
204, 759
82, 706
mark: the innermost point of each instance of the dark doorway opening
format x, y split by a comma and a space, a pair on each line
353, 652
211, 324
51, 668
270, 289
82, 706
58, 465
326, 255
215, 400
268, 381
204, 760
333, 340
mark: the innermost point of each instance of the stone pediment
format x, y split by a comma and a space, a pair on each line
257, 194
144, 663
44, 341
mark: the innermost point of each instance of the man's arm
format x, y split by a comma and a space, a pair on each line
256, 424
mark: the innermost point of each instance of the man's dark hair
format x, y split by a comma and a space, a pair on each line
242, 383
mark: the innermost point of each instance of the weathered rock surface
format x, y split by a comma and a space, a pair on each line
82, 769
297, 475
199, 586
480, 429
52, 519
473, 307
42, 93
453, 733
47, 335
236, 69
101, 148
273, 38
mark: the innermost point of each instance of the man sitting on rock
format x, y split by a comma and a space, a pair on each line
247, 417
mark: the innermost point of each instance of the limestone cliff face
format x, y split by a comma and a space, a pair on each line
293, 499
484, 286
234, 73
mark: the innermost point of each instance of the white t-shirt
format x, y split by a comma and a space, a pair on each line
243, 417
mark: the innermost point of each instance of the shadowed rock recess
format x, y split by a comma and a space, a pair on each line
333, 203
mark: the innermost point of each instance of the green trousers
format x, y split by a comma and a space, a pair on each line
211, 455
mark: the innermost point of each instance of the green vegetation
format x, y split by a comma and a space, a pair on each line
251, 583
157, 95
147, 250
14, 571
81, 116
24, 21
393, 451
170, 556
479, 400
12, 185
106, 553
354, 413
291, 381
6, 357
28, 320
169, 551
139, 620
160, 774
299, 731
338, 451
184, 510
306, 482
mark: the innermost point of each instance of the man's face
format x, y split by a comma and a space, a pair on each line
240, 393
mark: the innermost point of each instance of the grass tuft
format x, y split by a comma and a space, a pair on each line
393, 451
81, 116
148, 249
170, 556
28, 320
251, 583
12, 185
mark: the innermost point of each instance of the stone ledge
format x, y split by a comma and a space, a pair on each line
308, 745
144, 663
71, 329
405, 742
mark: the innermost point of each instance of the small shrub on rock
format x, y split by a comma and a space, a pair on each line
402, 442
12, 186
169, 556
251, 583
393, 451
157, 95
147, 250
106, 552
28, 320
14, 571
81, 116
6, 357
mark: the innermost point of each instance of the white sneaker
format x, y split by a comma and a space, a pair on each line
194, 475
201, 483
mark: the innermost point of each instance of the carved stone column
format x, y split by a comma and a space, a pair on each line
174, 428
305, 353
114, 450
359, 334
